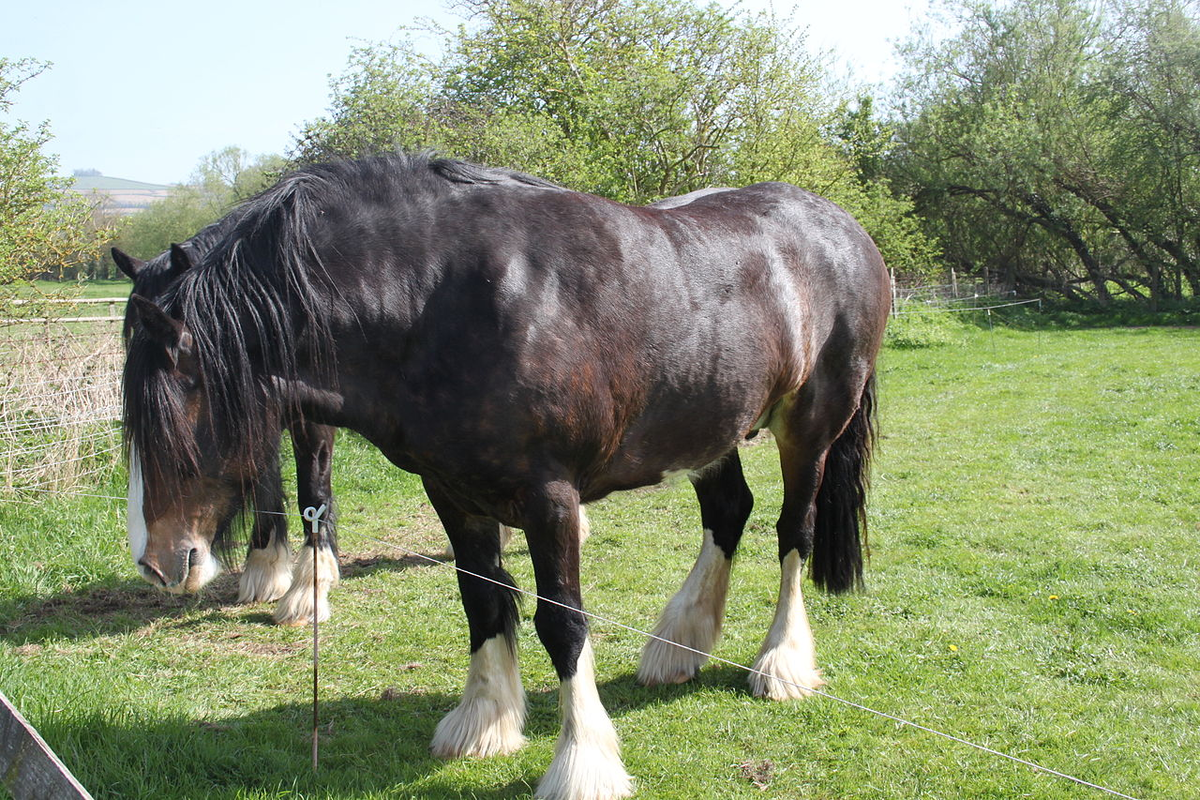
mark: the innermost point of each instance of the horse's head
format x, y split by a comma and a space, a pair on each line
186, 484
210, 343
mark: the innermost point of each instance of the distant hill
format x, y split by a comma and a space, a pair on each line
123, 196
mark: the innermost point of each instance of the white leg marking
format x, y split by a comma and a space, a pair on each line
135, 516
787, 655
296, 607
489, 719
693, 617
267, 574
587, 759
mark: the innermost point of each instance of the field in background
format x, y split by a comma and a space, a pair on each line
1035, 529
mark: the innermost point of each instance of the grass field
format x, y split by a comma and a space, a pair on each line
1035, 529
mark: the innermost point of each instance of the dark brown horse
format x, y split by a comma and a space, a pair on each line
267, 575
524, 349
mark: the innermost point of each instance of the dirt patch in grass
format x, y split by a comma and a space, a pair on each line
244, 644
758, 773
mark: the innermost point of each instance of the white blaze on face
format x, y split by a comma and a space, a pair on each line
135, 514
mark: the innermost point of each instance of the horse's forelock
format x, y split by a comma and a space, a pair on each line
155, 418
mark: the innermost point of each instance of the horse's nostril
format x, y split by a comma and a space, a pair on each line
151, 571
193, 558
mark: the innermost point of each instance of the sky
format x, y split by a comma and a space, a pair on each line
144, 89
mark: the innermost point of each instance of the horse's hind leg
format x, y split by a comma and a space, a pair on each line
587, 760
312, 446
268, 570
693, 616
491, 715
817, 474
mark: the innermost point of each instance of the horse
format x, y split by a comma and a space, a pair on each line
525, 348
269, 573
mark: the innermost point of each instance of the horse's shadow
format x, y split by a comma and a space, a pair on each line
368, 745
116, 606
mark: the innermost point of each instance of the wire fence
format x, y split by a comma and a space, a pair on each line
974, 294
59, 394
59, 378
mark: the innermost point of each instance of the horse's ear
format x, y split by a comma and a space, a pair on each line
168, 332
128, 264
181, 262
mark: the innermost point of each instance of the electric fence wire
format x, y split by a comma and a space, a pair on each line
955, 310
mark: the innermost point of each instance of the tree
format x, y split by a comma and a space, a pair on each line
631, 99
1153, 78
44, 227
1048, 142
221, 180
378, 104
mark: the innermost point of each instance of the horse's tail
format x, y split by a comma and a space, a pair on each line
840, 533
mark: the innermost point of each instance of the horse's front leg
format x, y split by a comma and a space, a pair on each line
312, 446
491, 715
507, 533
587, 758
268, 570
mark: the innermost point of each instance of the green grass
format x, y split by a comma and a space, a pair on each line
1035, 528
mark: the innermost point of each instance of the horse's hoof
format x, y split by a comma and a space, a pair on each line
298, 606
666, 664
479, 730
585, 773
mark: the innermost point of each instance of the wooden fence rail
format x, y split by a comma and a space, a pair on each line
28, 767
113, 316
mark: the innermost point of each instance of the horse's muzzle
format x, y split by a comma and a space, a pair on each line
185, 570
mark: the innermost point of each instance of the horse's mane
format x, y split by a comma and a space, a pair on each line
259, 297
